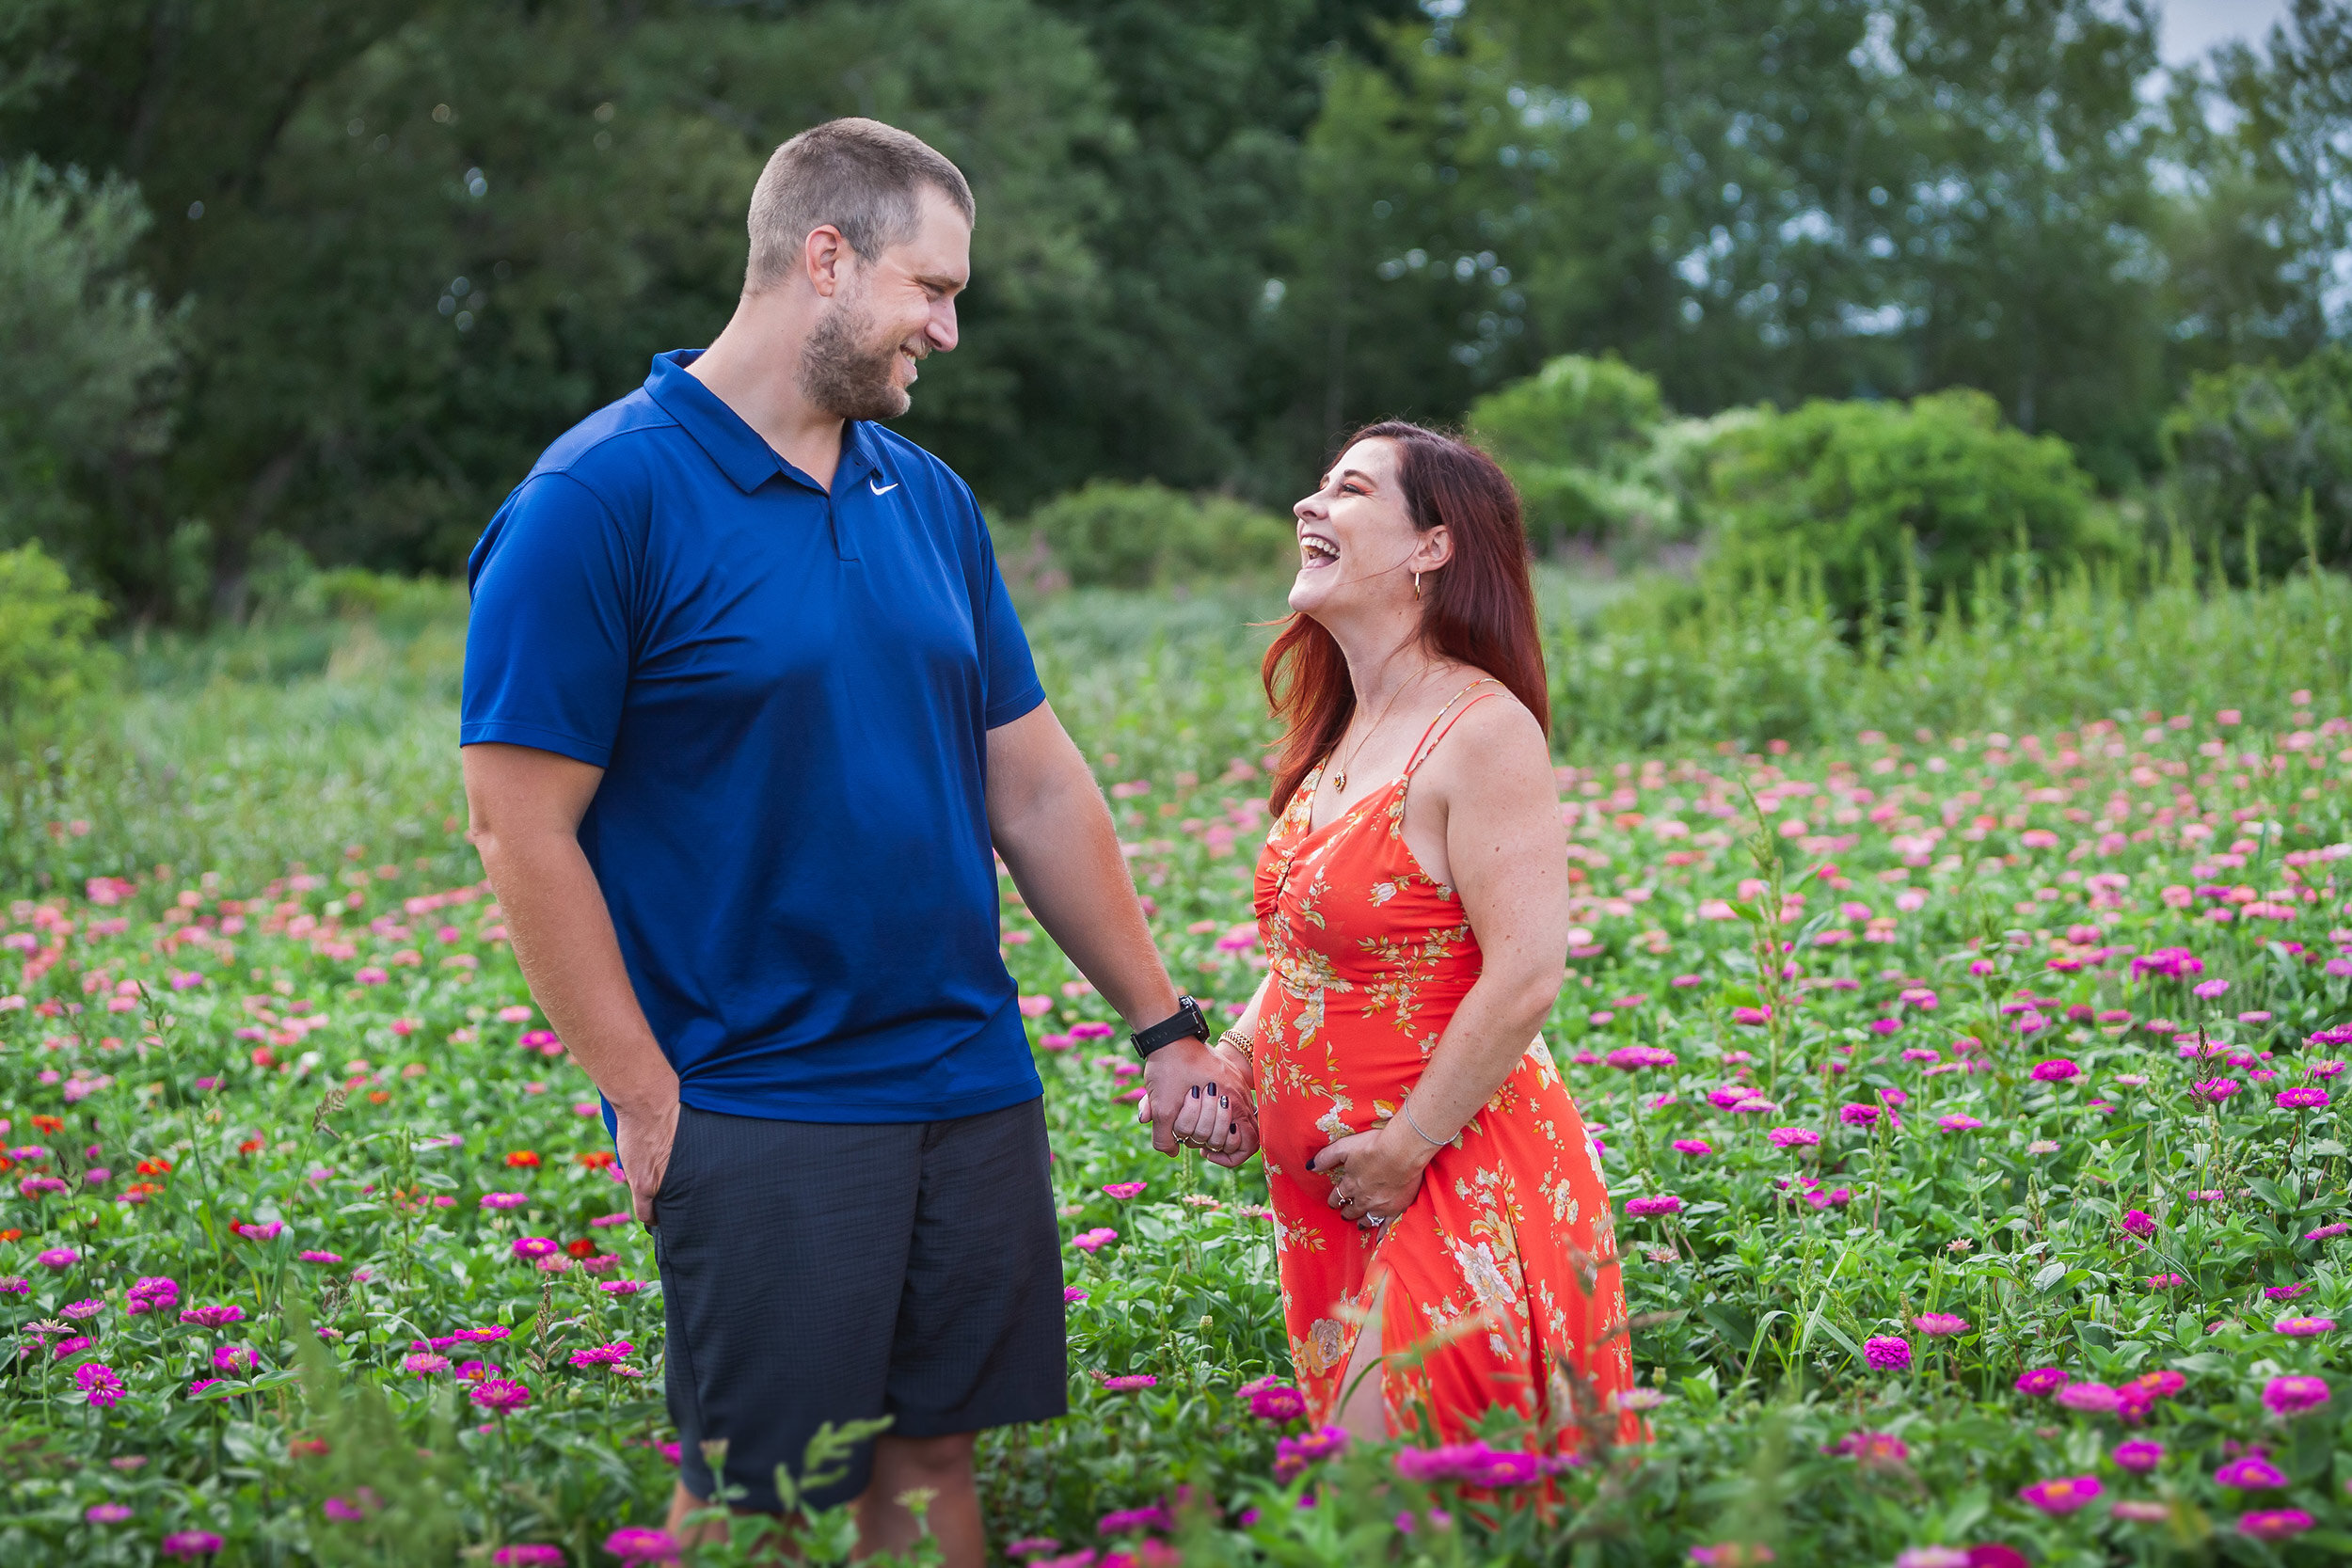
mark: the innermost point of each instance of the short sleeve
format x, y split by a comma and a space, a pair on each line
547, 643
1006, 667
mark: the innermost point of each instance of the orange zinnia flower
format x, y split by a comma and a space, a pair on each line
522, 1157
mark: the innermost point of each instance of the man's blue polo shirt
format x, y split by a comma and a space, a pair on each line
791, 693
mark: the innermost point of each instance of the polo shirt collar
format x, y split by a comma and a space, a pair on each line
740, 451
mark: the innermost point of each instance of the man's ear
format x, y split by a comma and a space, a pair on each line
825, 259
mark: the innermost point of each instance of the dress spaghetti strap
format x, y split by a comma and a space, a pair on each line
1430, 736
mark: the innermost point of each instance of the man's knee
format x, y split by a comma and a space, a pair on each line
949, 1457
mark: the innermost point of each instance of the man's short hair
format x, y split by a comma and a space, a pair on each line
861, 176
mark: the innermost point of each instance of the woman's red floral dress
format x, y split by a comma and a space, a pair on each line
1501, 1285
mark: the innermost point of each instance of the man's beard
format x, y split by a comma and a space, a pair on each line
842, 376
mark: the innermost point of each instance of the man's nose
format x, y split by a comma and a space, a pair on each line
941, 329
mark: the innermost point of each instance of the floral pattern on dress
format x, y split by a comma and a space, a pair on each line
1499, 1286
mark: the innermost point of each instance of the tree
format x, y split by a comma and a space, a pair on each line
90, 355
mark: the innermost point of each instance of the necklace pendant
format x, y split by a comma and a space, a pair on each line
1339, 782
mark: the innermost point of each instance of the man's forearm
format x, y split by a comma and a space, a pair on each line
555, 915
1064, 856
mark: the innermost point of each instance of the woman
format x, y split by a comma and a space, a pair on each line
1443, 1227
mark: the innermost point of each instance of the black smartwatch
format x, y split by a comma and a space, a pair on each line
1186, 1021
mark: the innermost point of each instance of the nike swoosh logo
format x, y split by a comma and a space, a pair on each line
882, 490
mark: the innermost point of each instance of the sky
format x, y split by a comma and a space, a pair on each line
2193, 26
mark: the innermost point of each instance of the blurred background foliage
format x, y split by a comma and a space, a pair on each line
1875, 293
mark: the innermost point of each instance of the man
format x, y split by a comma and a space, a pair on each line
746, 706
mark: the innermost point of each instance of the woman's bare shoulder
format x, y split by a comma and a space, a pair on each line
1495, 751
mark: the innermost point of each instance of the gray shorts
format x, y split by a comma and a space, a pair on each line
816, 1272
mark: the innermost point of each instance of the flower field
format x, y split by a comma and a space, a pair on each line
1970, 1103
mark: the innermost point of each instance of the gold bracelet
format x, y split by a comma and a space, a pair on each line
1242, 1041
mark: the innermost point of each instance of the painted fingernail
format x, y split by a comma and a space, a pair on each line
1195, 1091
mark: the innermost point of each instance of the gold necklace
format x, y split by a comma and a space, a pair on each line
1339, 777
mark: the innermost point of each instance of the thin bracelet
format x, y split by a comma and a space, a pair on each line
1414, 1122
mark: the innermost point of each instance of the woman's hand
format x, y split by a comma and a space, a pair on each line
1375, 1175
1219, 1120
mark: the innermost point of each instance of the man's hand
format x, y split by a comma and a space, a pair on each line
1171, 1074
644, 1138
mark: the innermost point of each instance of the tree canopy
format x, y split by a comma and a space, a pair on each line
349, 267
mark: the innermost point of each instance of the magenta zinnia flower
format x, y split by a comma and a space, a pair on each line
637, 1543
500, 1394
2304, 1328
1278, 1405
191, 1543
1694, 1146
424, 1364
2042, 1382
106, 1513
58, 1258
104, 1387
536, 1246
2276, 1524
2057, 1069
2140, 1456
1130, 1383
1887, 1353
213, 1317
529, 1557
1937, 1325
2306, 1098
2063, 1494
2140, 1223
1792, 1137
2214, 1091
2252, 1473
603, 1355
1641, 1208
1959, 1121
1858, 1116
1125, 1190
2294, 1395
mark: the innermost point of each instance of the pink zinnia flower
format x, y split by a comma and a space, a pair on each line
191, 1543
2305, 1099
321, 1257
2252, 1473
2338, 1228
1694, 1146
104, 1388
2062, 1496
2214, 1091
529, 1557
106, 1513
1887, 1353
637, 1543
2304, 1328
500, 1394
1858, 1116
1130, 1383
1280, 1403
1937, 1325
2140, 1456
213, 1317
425, 1363
1957, 1121
2057, 1069
2294, 1395
2042, 1382
1125, 1190
58, 1258
603, 1355
2095, 1399
2139, 1223
2276, 1524
536, 1246
1792, 1137
1641, 1208
1095, 1239
503, 1200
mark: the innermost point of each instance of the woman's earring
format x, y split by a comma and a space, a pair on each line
1417, 585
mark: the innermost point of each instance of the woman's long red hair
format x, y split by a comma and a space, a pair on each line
1479, 609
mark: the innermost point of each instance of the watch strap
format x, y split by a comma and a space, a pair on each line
1187, 1020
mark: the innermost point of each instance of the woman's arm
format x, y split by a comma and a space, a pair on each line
1507, 855
1210, 1117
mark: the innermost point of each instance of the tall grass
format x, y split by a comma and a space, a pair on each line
330, 730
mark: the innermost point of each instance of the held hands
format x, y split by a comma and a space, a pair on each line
1375, 1175
1195, 1097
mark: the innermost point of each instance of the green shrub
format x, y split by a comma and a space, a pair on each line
2251, 447
47, 661
1852, 487
1115, 535
1594, 455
